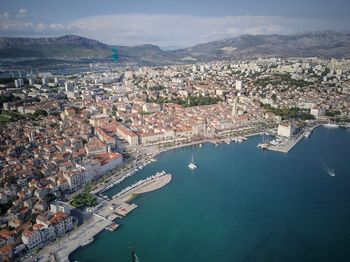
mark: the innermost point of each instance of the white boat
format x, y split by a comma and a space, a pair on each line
332, 125
307, 134
331, 172
88, 241
328, 170
263, 146
192, 165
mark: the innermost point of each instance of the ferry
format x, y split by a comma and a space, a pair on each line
307, 134
88, 241
112, 227
192, 165
332, 125
263, 146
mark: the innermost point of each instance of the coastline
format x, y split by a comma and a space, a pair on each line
63, 254
133, 195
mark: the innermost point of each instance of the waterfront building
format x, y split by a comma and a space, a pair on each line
31, 238
286, 129
95, 146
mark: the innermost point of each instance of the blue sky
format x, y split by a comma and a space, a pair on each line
169, 23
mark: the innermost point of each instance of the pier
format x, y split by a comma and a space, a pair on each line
288, 144
102, 218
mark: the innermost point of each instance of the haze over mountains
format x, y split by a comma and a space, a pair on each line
76, 48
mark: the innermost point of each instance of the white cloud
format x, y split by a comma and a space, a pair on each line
162, 30
4, 16
22, 25
22, 13
185, 30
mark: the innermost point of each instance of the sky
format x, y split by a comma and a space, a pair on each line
169, 24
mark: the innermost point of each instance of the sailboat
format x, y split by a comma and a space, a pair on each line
329, 171
192, 165
264, 145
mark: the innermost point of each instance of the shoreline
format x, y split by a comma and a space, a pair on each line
97, 219
130, 197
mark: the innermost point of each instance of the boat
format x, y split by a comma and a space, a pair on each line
264, 144
88, 241
192, 165
134, 257
331, 172
216, 145
328, 170
200, 145
331, 125
112, 227
307, 134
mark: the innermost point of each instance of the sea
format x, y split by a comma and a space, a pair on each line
241, 204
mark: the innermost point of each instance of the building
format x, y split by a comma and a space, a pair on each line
59, 206
31, 238
151, 107
128, 135
286, 129
317, 112
95, 147
75, 179
19, 83
239, 85
47, 228
108, 140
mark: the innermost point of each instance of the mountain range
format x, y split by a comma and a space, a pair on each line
75, 48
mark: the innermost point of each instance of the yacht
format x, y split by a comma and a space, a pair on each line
307, 134
331, 172
331, 125
192, 165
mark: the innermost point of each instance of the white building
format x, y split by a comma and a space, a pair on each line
286, 129
19, 82
45, 81
31, 238
239, 85
59, 206
317, 112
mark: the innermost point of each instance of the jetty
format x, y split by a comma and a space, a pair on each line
102, 218
286, 145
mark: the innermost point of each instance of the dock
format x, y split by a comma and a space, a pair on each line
288, 144
100, 220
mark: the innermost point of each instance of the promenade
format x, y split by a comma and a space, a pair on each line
104, 216
61, 248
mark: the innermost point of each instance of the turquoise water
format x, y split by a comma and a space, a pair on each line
241, 204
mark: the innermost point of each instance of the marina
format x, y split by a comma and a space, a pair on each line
229, 201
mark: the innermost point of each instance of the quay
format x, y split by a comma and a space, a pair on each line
287, 145
101, 219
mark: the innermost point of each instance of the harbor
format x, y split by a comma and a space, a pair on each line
102, 218
227, 199
284, 145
